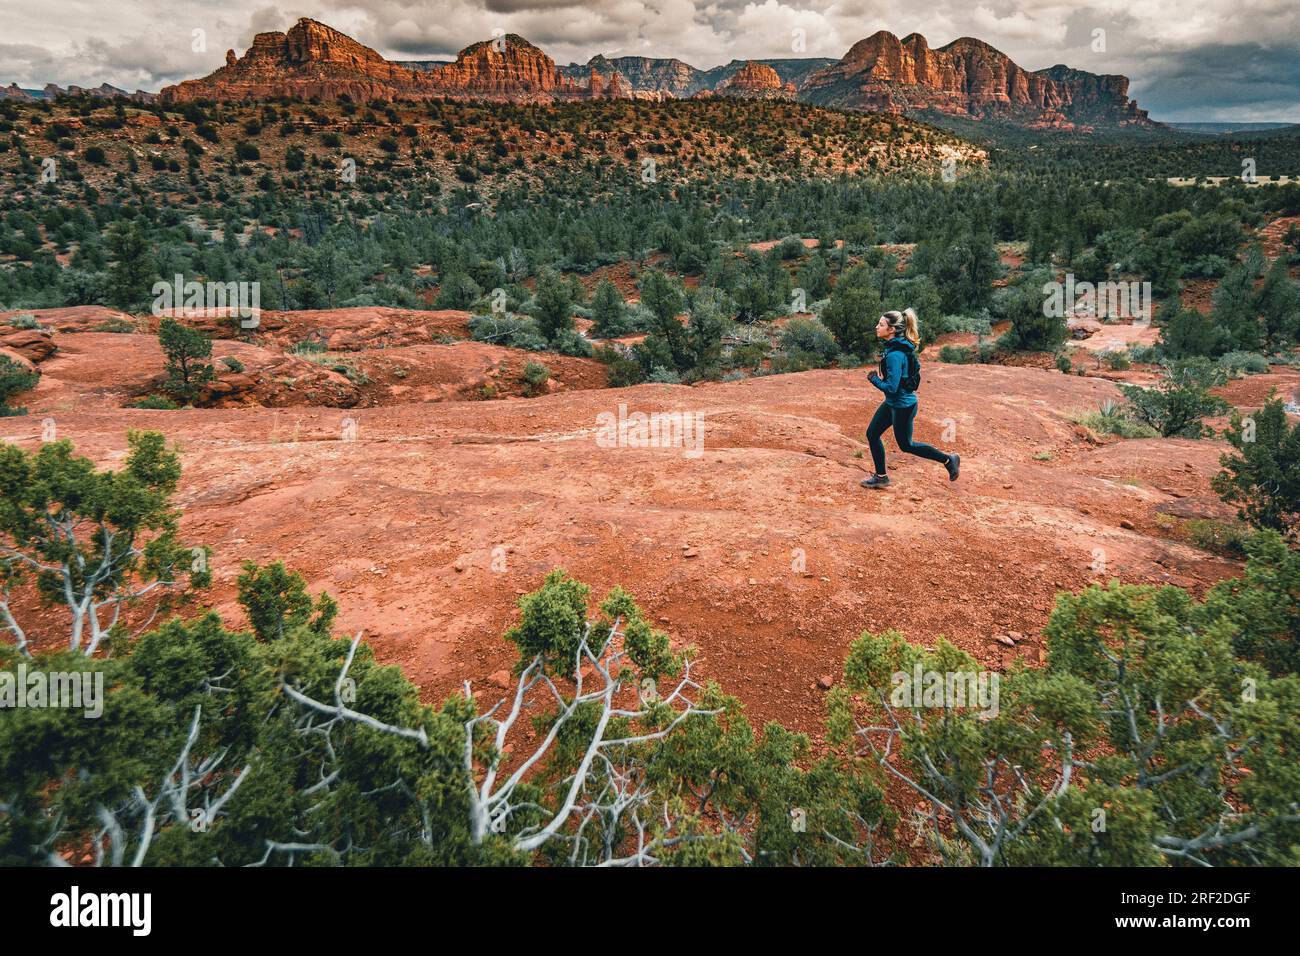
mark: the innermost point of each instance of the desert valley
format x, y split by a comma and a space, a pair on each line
315, 369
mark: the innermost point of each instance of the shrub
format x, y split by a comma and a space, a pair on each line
504, 328
810, 337
154, 401
1221, 537
623, 369
351, 370
1143, 354
793, 361
1115, 361
534, 377
554, 305
457, 291
116, 326
791, 247
232, 364
1262, 608
1176, 406
132, 272
1244, 363
814, 279
1187, 333
942, 324
571, 342
62, 516
1137, 677
966, 354
608, 311
663, 299
1111, 419
14, 379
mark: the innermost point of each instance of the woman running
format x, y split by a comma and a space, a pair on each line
901, 373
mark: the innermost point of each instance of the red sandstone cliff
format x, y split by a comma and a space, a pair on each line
313, 59
756, 81
966, 77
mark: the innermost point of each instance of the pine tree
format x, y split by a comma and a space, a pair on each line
1187, 333
1233, 308
132, 274
608, 310
853, 312
1278, 303
664, 299
554, 305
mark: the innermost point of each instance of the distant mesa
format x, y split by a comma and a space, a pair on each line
882, 73
314, 60
52, 91
756, 81
671, 78
969, 78
646, 77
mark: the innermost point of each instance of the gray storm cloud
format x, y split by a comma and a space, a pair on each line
1217, 59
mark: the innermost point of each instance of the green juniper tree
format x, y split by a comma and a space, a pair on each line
1263, 478
184, 349
1145, 740
93, 543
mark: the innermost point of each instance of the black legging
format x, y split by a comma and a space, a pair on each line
901, 419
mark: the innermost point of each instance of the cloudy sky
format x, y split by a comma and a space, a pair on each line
1235, 60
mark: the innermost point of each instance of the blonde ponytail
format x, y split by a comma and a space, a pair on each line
906, 324
910, 326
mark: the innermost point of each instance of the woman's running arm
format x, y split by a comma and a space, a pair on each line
895, 362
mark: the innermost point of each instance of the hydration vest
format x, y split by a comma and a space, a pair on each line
912, 375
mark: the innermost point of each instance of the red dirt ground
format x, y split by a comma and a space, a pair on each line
393, 349
1272, 235
763, 550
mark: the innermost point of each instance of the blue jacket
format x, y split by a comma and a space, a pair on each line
894, 364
